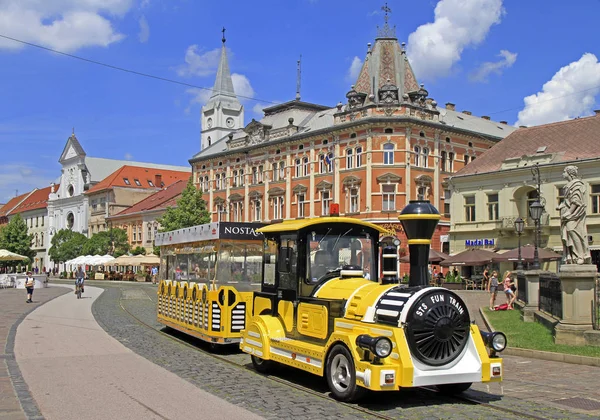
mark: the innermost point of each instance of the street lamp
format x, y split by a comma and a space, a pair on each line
535, 211
519, 225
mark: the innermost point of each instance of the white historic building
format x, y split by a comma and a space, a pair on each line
223, 113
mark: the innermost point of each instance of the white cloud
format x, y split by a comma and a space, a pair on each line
198, 63
65, 25
241, 87
435, 47
22, 177
354, 69
489, 67
570, 93
144, 33
374, 13
128, 156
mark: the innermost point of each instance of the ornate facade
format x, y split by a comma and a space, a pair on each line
388, 144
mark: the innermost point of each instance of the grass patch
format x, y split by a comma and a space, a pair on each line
531, 335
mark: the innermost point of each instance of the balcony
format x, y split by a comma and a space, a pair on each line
98, 208
508, 223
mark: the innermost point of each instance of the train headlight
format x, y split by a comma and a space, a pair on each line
495, 340
379, 346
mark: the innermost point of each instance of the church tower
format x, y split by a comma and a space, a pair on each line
223, 113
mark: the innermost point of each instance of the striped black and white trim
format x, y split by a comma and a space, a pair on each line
238, 317
216, 317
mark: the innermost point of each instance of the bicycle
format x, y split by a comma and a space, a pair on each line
78, 289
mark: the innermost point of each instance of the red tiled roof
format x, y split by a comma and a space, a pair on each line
142, 174
164, 198
12, 203
37, 200
567, 140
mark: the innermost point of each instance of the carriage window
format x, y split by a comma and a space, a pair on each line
287, 278
270, 259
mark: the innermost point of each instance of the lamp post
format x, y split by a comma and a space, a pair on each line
535, 211
519, 225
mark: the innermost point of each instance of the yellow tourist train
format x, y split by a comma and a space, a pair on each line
326, 307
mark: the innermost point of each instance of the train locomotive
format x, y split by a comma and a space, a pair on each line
322, 309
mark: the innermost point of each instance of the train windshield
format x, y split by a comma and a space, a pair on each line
331, 249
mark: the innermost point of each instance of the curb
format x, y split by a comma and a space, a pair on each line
544, 355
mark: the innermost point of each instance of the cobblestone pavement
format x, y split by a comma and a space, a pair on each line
301, 395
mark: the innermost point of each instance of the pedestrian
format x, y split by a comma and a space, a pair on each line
29, 285
154, 275
508, 290
486, 277
492, 288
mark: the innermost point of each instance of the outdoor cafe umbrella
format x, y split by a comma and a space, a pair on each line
434, 256
6, 255
471, 257
527, 254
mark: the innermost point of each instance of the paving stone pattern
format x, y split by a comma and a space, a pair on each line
240, 385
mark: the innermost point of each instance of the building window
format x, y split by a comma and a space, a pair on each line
37, 221
447, 139
473, 158
234, 177
470, 208
325, 202
209, 141
42, 239
134, 233
422, 192
43, 217
155, 230
353, 200
493, 207
425, 157
470, 144
298, 168
282, 170
349, 159
388, 131
353, 135
257, 210
388, 154
301, 205
325, 163
447, 197
443, 159
417, 155
532, 196
277, 207
466, 159
595, 195
358, 157
421, 134
275, 172
220, 212
236, 209
137, 182
126, 181
306, 166
241, 177
451, 162
206, 184
255, 175
148, 232
388, 197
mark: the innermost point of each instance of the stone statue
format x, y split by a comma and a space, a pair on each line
573, 230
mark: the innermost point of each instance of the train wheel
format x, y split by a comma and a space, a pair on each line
262, 365
341, 375
453, 389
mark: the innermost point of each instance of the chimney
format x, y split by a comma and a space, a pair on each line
158, 180
485, 117
503, 122
450, 106
597, 111
467, 112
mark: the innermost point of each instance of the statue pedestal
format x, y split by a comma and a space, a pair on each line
532, 288
577, 286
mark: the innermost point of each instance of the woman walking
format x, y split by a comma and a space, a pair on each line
29, 285
492, 288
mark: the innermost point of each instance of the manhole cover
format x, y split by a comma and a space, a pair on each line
580, 403
134, 294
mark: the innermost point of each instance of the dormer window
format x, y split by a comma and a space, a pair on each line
421, 134
353, 135
389, 131
137, 182
126, 181
301, 147
150, 183
278, 151
325, 141
470, 144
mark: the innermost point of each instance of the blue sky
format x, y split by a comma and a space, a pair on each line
509, 59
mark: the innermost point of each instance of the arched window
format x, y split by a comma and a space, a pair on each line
451, 162
275, 172
298, 168
234, 179
417, 155
443, 161
421, 134
349, 159
277, 203
282, 170
358, 157
241, 177
306, 166
257, 210
425, 157
388, 154
209, 141
42, 239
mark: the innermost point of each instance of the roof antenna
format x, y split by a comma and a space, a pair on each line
298, 78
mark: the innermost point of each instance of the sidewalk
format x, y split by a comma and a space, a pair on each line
14, 405
75, 370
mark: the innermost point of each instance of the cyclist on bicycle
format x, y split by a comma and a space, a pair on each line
80, 277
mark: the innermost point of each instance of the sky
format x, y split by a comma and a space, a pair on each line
526, 62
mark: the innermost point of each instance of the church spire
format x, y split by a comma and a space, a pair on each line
223, 83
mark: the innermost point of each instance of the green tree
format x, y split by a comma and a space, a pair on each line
101, 243
66, 245
139, 250
190, 210
14, 238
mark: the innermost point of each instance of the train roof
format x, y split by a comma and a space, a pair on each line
295, 225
